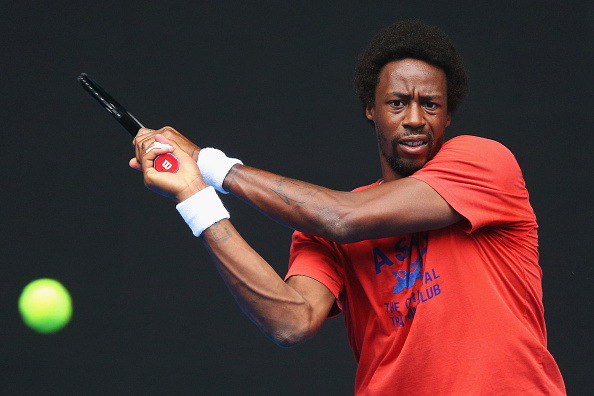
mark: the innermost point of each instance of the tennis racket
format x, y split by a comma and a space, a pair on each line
164, 162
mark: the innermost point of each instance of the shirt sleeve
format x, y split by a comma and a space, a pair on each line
315, 258
481, 180
320, 259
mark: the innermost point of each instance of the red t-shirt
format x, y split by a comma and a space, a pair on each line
451, 311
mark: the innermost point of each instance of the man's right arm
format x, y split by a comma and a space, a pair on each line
289, 313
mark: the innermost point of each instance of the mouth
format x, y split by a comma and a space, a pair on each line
415, 144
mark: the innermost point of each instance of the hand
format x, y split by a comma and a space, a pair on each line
148, 137
177, 186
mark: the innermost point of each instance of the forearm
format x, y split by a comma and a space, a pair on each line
398, 207
303, 206
299, 205
283, 314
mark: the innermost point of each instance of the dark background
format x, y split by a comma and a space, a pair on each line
270, 83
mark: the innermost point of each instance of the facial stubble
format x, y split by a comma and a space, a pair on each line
399, 165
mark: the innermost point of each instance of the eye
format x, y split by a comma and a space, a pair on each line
396, 103
431, 105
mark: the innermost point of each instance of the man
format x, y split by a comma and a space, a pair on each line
434, 267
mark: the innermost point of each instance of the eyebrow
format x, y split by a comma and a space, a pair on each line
408, 96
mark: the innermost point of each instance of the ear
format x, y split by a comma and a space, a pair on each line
449, 119
369, 112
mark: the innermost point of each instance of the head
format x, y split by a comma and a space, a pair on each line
410, 58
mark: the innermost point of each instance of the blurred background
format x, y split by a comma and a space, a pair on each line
270, 83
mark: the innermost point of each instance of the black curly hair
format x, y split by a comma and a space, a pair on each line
410, 39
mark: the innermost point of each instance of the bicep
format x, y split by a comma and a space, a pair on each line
398, 207
319, 297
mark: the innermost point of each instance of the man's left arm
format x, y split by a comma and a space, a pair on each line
392, 208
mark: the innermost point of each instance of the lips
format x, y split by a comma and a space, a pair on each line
412, 143
416, 144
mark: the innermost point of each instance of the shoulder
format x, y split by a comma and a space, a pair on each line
476, 155
469, 158
475, 146
481, 179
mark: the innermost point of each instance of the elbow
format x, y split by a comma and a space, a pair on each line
342, 228
336, 219
289, 338
345, 234
298, 325
288, 342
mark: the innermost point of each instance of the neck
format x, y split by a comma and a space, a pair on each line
388, 173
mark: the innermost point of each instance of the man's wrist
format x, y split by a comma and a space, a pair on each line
192, 189
195, 154
202, 210
214, 166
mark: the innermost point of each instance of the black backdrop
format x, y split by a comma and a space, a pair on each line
270, 83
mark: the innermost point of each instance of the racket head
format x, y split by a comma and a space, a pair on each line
121, 115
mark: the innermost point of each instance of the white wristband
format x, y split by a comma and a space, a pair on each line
202, 210
214, 166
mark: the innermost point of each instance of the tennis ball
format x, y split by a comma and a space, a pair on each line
45, 305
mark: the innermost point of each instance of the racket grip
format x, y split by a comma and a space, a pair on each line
166, 163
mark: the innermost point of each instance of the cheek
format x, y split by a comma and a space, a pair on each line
439, 125
382, 139
386, 124
384, 132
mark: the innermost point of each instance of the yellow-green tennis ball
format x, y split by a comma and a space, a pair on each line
45, 305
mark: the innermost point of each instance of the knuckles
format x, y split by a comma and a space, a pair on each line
142, 140
167, 131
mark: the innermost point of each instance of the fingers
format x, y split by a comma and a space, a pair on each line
186, 145
160, 138
145, 138
147, 151
177, 186
134, 164
146, 133
143, 131
142, 134
158, 145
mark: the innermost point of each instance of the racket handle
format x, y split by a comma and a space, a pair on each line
166, 163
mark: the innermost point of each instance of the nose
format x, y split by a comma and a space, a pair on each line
414, 116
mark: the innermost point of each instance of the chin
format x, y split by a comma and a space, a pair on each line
404, 168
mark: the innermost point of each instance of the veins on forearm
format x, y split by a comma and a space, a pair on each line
292, 191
